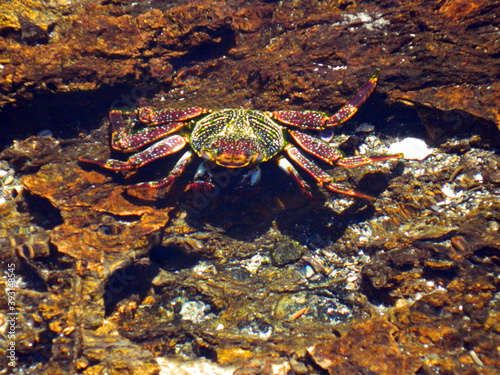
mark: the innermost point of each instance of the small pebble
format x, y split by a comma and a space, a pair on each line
307, 271
8, 180
494, 226
365, 128
45, 134
495, 177
446, 189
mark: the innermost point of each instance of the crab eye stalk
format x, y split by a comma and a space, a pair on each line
207, 155
257, 158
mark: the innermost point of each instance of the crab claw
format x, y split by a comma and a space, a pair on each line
202, 187
202, 181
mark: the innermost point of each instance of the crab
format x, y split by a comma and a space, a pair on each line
235, 138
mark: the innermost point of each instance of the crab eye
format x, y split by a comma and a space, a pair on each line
207, 155
257, 158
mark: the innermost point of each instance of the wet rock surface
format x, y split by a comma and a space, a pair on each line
262, 281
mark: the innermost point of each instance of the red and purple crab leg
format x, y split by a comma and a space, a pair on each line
163, 148
149, 116
323, 178
325, 152
178, 169
292, 172
356, 161
319, 120
172, 118
121, 141
351, 107
316, 147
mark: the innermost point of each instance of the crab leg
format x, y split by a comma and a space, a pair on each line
292, 172
324, 151
202, 180
320, 175
339, 188
309, 166
356, 161
120, 141
163, 148
301, 119
351, 107
316, 147
251, 178
149, 116
319, 120
179, 167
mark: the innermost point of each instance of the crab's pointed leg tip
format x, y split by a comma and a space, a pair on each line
84, 159
363, 196
368, 198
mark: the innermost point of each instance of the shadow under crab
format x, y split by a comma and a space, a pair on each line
235, 138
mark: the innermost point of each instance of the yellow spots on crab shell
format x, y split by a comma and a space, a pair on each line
237, 137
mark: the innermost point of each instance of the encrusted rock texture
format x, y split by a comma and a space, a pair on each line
261, 282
